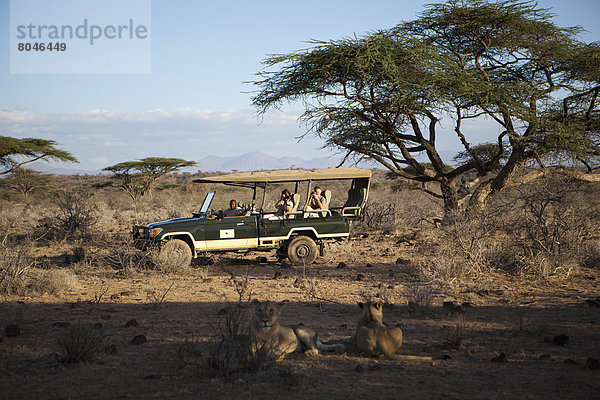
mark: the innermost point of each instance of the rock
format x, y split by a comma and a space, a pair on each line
138, 340
261, 259
97, 325
592, 363
501, 358
369, 265
12, 330
130, 323
105, 317
402, 261
341, 265
360, 277
344, 326
560, 340
278, 275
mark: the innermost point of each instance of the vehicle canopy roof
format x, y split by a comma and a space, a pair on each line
286, 175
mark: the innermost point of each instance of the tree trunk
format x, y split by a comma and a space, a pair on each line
450, 195
487, 189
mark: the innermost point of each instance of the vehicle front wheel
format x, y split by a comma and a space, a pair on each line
174, 255
302, 250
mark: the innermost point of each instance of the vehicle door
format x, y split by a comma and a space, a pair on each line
229, 233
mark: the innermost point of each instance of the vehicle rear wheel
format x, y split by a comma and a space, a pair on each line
174, 255
302, 250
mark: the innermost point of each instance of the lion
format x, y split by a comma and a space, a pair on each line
265, 330
373, 337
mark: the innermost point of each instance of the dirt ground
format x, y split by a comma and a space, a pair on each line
514, 315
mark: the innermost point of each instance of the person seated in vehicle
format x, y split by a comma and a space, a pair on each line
285, 204
316, 201
233, 210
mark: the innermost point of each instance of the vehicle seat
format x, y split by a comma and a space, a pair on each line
326, 203
355, 203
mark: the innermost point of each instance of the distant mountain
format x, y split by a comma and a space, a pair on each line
47, 168
256, 161
253, 161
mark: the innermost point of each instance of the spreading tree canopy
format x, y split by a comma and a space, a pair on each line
15, 153
382, 96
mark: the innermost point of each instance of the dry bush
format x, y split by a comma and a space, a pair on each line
56, 281
420, 294
80, 343
464, 249
120, 253
76, 214
546, 233
15, 262
189, 354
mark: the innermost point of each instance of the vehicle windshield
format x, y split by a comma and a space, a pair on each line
206, 204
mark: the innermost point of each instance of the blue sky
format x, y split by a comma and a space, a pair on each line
194, 103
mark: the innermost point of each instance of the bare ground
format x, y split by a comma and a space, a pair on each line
516, 315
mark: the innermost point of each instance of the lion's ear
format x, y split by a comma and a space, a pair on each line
281, 305
379, 305
361, 305
254, 303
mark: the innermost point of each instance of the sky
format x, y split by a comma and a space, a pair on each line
184, 94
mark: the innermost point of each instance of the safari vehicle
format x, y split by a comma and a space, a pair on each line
299, 235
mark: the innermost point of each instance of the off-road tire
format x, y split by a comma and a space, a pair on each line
174, 255
302, 250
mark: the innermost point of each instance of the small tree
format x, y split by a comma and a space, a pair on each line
15, 153
25, 181
137, 178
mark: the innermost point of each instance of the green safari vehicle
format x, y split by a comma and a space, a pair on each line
299, 235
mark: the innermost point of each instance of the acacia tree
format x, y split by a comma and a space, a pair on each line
382, 96
14, 153
25, 181
137, 178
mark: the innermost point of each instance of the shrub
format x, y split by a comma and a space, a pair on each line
75, 213
80, 343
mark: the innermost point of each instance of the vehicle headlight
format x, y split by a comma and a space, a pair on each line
155, 231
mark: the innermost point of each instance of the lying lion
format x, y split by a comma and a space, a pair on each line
373, 337
266, 332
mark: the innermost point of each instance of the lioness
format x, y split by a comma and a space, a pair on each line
373, 337
265, 330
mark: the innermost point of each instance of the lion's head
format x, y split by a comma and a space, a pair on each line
372, 312
266, 314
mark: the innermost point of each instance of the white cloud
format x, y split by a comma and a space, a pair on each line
103, 137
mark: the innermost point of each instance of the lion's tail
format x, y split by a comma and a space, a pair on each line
404, 357
337, 347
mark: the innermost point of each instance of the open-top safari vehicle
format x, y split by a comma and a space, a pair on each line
300, 234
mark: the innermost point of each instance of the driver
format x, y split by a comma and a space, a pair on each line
233, 210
